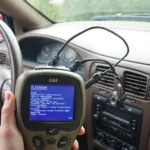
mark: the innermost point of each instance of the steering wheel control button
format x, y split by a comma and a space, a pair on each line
63, 142
51, 141
52, 131
38, 142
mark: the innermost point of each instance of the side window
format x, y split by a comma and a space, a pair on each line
1, 38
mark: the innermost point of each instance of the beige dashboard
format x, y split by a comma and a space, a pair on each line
101, 44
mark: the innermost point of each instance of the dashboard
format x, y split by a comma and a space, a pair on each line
126, 128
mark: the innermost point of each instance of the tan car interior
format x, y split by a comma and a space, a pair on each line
106, 127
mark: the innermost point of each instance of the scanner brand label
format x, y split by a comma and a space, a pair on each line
53, 80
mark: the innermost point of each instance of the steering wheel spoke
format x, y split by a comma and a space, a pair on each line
14, 53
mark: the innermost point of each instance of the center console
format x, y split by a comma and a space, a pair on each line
117, 128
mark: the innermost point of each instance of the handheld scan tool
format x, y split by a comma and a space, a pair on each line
50, 108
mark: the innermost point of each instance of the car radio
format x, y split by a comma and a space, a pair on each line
50, 107
117, 128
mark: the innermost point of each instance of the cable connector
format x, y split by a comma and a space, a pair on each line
95, 78
75, 66
55, 61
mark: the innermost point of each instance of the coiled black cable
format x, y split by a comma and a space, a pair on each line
56, 58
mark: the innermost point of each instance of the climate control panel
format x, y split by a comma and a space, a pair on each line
110, 141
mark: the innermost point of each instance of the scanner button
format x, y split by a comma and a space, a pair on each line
51, 141
38, 142
63, 142
52, 131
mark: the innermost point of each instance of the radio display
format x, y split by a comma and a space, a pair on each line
51, 102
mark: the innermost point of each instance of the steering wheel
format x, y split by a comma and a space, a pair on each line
14, 53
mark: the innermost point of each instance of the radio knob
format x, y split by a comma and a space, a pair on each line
112, 143
100, 137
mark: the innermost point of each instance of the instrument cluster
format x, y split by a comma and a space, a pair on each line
67, 57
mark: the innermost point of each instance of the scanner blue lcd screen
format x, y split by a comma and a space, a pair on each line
51, 102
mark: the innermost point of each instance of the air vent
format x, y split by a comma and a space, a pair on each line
2, 58
108, 79
135, 83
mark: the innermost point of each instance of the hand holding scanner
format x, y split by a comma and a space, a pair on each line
50, 108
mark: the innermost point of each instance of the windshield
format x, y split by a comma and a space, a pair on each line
84, 10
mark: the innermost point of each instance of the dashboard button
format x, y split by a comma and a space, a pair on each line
98, 105
133, 128
133, 121
131, 148
38, 142
52, 131
51, 141
63, 142
96, 117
